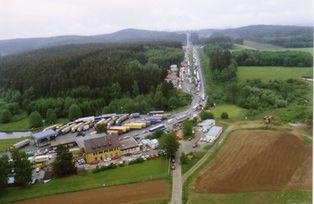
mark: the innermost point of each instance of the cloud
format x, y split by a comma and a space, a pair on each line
35, 18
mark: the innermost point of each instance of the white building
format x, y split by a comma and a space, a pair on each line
212, 134
206, 124
174, 68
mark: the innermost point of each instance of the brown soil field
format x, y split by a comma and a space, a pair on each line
130, 193
258, 160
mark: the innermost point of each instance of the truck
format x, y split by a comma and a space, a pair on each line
134, 115
20, 144
156, 112
158, 127
121, 119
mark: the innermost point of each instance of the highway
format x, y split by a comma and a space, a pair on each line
177, 180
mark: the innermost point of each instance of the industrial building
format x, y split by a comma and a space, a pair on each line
212, 134
206, 125
43, 138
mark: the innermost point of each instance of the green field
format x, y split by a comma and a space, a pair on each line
268, 47
5, 144
234, 112
148, 170
22, 125
277, 197
273, 73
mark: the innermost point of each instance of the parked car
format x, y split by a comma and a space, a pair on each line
173, 159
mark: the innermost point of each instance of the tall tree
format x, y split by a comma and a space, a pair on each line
22, 168
35, 120
4, 171
135, 89
5, 116
63, 165
169, 144
74, 112
51, 116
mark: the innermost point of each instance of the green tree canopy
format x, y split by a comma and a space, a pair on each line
22, 168
63, 165
206, 115
4, 171
74, 112
102, 127
51, 116
169, 144
35, 120
5, 116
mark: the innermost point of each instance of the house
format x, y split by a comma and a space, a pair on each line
97, 149
129, 146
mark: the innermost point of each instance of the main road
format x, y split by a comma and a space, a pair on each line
198, 99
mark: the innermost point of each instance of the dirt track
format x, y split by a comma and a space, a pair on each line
131, 193
257, 160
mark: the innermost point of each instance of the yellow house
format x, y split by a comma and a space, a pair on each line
101, 148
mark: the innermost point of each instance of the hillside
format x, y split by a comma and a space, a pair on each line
281, 35
15, 46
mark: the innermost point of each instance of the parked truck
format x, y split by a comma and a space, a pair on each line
20, 144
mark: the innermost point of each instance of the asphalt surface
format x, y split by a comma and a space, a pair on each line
177, 179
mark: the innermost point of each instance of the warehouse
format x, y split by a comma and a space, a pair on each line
206, 125
43, 138
129, 146
98, 149
212, 134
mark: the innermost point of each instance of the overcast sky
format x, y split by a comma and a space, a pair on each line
41, 18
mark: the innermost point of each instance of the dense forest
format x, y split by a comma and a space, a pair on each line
98, 78
270, 58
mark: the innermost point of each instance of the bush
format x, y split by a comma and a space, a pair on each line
136, 161
206, 115
224, 115
74, 112
103, 168
5, 116
51, 116
183, 158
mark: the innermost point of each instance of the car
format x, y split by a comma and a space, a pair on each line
37, 170
173, 167
190, 138
80, 134
173, 159
194, 145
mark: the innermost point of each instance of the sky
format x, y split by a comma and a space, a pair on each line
43, 18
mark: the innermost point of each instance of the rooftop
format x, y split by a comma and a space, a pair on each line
101, 144
128, 143
44, 134
214, 130
207, 123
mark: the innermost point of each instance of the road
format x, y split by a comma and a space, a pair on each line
177, 180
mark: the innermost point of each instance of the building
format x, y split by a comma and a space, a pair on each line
129, 146
101, 148
44, 137
206, 124
212, 134
153, 144
174, 68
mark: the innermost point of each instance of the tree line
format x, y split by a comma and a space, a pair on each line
271, 58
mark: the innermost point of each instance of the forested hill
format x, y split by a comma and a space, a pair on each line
58, 70
127, 35
281, 35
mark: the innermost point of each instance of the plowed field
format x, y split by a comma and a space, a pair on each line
131, 193
258, 160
